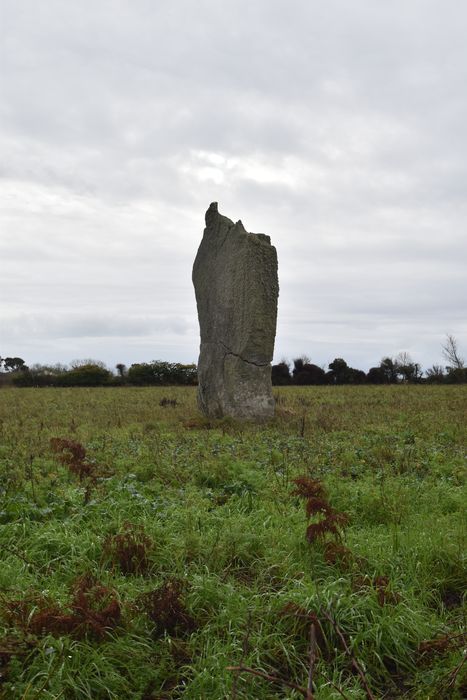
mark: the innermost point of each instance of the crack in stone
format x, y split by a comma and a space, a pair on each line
249, 362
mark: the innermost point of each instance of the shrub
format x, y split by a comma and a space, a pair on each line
162, 373
307, 373
280, 374
85, 375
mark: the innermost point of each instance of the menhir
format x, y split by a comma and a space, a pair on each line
236, 286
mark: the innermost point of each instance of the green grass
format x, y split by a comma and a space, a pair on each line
215, 500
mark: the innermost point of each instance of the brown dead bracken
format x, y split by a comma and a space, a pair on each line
73, 455
316, 505
129, 549
166, 608
94, 610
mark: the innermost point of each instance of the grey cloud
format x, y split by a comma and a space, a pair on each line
340, 131
88, 326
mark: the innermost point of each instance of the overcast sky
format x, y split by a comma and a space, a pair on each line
338, 128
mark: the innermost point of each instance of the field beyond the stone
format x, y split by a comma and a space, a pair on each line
145, 550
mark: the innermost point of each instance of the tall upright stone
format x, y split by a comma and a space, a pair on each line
236, 286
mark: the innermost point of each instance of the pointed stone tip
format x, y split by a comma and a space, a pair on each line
211, 213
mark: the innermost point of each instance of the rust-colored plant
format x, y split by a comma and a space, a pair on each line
337, 554
129, 549
431, 648
94, 610
166, 608
328, 521
72, 455
308, 488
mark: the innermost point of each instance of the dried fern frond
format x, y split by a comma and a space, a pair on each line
308, 488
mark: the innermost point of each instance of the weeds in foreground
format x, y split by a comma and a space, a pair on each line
166, 608
165, 401
129, 549
211, 536
330, 521
431, 648
318, 645
73, 455
94, 610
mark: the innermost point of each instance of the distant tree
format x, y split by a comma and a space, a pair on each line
41, 375
87, 362
162, 373
298, 365
341, 373
338, 371
456, 375
389, 369
182, 374
280, 374
407, 369
90, 374
301, 361
385, 373
435, 374
57, 369
147, 373
121, 369
451, 353
356, 376
305, 372
376, 375
14, 364
411, 373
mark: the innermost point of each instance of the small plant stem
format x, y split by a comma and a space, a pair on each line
453, 675
302, 425
272, 679
351, 656
245, 647
26, 692
312, 657
338, 689
31, 477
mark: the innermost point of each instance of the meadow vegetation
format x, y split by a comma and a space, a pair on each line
149, 554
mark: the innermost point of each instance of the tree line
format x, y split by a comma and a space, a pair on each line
95, 373
389, 371
402, 369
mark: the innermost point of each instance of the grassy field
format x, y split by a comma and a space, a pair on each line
170, 549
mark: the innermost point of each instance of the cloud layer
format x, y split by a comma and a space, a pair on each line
338, 129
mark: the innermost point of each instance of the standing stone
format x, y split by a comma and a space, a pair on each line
236, 286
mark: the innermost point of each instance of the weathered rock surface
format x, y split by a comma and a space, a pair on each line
236, 286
